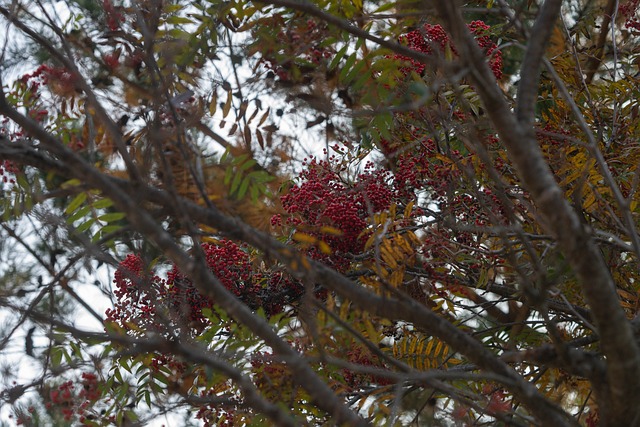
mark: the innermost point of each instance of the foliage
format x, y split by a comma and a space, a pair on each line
320, 213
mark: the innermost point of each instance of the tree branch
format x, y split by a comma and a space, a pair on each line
530, 68
574, 237
121, 192
128, 202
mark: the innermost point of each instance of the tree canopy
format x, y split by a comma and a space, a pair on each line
320, 212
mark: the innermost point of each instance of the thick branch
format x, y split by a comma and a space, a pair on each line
595, 60
530, 69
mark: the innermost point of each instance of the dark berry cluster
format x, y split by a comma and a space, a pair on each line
628, 10
113, 16
430, 37
75, 400
361, 356
422, 168
112, 59
422, 40
8, 170
324, 198
215, 415
299, 45
147, 302
482, 33
137, 294
60, 80
272, 377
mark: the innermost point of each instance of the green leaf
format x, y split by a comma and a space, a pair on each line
385, 6
112, 228
355, 71
347, 66
118, 375
70, 183
236, 182
246, 165
21, 179
110, 217
56, 357
76, 349
102, 203
160, 378
176, 20
79, 214
338, 56
240, 159
227, 175
224, 156
75, 203
243, 187
254, 192
227, 105
85, 225
172, 8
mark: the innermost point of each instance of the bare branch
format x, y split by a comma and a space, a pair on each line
530, 68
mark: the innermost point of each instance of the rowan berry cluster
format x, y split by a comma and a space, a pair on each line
136, 295
430, 37
74, 399
214, 415
422, 40
8, 170
422, 168
148, 302
300, 44
361, 356
628, 11
113, 16
60, 81
325, 198
112, 60
272, 377
481, 31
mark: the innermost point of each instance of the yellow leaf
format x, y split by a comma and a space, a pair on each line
396, 277
413, 238
227, 105
408, 209
327, 229
345, 309
388, 258
371, 331
131, 96
304, 238
436, 352
369, 242
213, 105
324, 248
427, 350
305, 263
412, 347
404, 244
